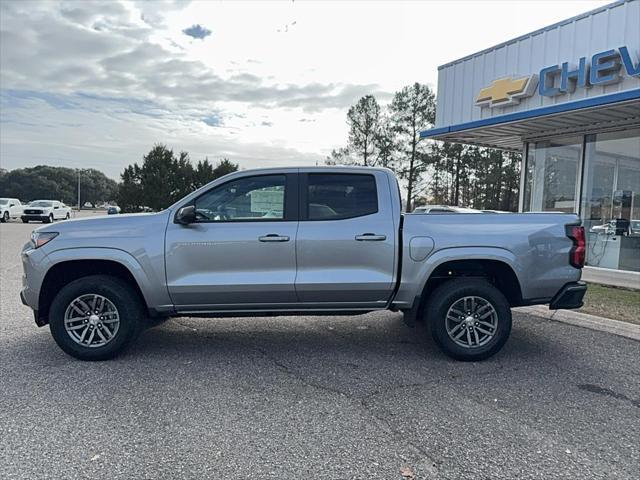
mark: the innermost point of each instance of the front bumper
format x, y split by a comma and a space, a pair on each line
38, 218
570, 296
34, 266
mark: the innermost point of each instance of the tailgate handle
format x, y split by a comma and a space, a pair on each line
273, 237
370, 237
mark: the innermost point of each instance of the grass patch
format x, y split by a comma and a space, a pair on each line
612, 302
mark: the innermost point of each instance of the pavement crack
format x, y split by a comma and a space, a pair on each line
589, 387
362, 402
289, 371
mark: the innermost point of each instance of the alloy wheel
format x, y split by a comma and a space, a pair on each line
471, 321
92, 320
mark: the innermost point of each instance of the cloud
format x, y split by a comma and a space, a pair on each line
197, 31
93, 83
60, 50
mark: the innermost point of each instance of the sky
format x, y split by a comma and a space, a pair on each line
96, 85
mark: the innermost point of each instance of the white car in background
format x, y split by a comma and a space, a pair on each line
45, 211
9, 208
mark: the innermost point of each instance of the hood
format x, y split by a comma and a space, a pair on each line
131, 224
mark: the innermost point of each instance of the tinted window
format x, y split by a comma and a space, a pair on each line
248, 199
336, 196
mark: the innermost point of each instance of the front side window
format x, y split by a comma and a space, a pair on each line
340, 196
259, 198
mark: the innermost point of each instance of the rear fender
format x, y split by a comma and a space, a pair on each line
416, 274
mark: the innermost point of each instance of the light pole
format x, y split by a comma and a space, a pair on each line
78, 190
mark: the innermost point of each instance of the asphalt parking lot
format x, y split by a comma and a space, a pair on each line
313, 397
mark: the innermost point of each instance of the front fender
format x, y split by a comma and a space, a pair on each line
416, 274
153, 288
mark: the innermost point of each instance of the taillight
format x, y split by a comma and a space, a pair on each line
579, 248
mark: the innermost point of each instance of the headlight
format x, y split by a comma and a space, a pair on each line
38, 239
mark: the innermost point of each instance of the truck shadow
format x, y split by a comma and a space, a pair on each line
376, 344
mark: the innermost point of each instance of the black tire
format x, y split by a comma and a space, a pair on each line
444, 298
68, 216
49, 219
120, 294
24, 220
5, 217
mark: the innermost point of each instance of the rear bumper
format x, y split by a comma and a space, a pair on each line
569, 296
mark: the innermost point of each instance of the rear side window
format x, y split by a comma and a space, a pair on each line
340, 196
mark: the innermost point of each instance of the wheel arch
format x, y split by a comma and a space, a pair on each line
498, 266
65, 269
498, 272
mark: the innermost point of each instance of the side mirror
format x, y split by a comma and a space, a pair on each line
186, 215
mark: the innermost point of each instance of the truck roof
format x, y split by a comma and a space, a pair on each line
307, 168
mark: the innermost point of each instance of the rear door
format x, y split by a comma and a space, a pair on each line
346, 237
240, 252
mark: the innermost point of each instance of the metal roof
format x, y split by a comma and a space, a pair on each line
537, 32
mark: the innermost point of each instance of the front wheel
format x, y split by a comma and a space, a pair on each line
24, 220
5, 217
68, 216
95, 317
469, 319
49, 219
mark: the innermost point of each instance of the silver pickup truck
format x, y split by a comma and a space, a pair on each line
285, 241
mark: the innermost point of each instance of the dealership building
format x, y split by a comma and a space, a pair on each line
568, 97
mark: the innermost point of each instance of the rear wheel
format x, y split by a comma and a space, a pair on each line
95, 317
68, 216
469, 319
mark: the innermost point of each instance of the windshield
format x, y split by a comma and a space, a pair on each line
4, 201
40, 203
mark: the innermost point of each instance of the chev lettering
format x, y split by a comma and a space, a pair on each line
605, 68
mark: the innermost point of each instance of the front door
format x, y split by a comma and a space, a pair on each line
346, 238
240, 252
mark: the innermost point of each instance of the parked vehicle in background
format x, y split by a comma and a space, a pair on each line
444, 209
45, 211
113, 210
10, 208
300, 241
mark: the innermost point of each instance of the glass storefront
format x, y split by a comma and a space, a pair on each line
552, 175
598, 177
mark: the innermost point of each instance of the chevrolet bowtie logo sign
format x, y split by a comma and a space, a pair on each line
507, 91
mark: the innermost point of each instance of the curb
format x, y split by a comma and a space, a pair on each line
592, 322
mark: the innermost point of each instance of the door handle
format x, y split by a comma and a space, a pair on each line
273, 237
370, 237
